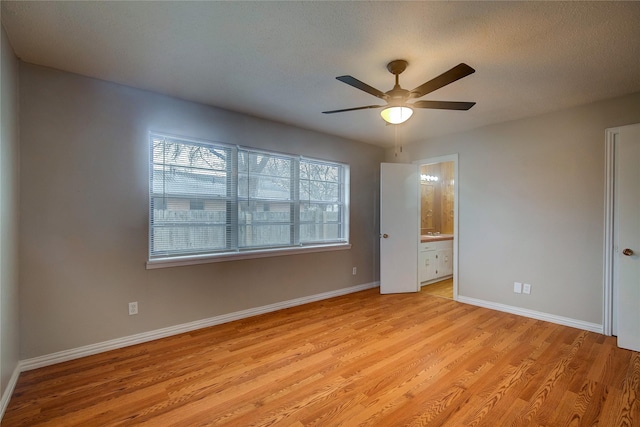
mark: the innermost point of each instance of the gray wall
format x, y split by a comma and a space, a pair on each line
531, 206
9, 159
84, 215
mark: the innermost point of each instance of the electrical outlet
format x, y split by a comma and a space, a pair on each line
517, 287
133, 308
355, 270
526, 288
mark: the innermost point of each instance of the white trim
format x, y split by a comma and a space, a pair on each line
265, 253
560, 320
8, 391
88, 350
456, 191
607, 279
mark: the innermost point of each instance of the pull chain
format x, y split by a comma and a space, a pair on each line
395, 141
396, 145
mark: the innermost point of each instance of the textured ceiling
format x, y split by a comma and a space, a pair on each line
279, 60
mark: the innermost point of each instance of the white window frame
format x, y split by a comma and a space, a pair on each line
233, 201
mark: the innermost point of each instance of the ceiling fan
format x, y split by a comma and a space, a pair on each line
397, 109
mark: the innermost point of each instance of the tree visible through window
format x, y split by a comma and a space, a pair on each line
213, 198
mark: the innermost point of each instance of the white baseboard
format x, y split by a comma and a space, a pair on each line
560, 320
6, 395
88, 350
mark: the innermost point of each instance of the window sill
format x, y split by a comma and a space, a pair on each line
265, 253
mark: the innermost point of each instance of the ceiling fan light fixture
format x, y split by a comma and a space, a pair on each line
396, 115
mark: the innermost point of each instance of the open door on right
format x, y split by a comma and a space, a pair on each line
626, 237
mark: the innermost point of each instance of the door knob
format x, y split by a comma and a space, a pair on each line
627, 252
385, 236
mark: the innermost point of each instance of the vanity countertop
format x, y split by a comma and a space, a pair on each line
428, 238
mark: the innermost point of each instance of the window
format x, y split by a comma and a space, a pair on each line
196, 205
213, 199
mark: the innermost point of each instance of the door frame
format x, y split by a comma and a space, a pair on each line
456, 190
612, 135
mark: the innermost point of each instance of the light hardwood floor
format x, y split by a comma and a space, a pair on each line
359, 360
442, 289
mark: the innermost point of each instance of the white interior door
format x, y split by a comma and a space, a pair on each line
399, 228
627, 237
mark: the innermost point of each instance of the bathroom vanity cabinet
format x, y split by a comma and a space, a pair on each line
435, 259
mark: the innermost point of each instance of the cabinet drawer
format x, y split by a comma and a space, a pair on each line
432, 246
445, 244
427, 246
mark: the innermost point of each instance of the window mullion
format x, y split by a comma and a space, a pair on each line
232, 199
341, 202
295, 201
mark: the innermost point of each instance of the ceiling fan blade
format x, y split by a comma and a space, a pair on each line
352, 81
456, 73
352, 109
443, 105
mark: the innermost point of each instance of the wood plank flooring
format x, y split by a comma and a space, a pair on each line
442, 289
358, 360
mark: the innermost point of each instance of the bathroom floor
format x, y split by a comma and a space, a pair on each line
443, 289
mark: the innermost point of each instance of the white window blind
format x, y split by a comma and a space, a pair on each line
322, 201
212, 199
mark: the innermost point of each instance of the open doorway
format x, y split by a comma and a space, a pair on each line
437, 253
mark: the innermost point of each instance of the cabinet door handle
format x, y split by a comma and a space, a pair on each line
627, 252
